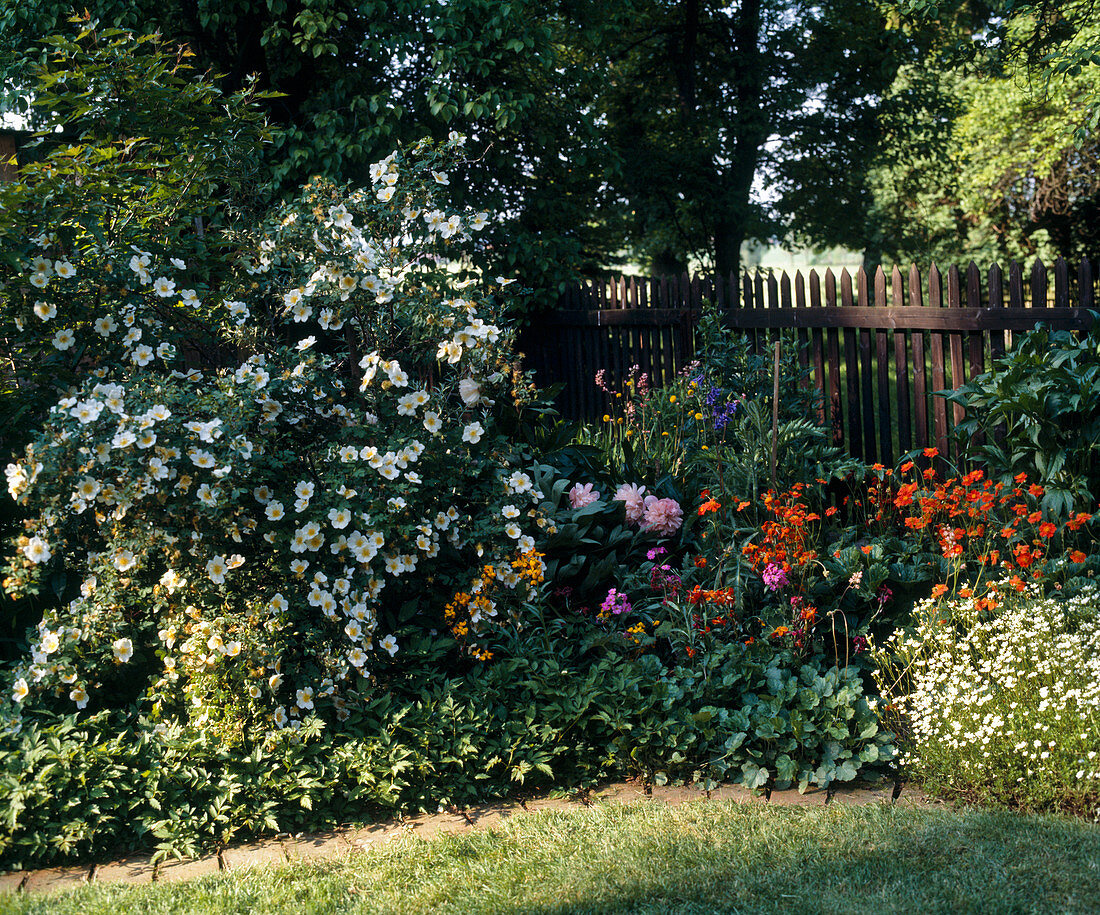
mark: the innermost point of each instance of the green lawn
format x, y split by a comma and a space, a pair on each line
716, 857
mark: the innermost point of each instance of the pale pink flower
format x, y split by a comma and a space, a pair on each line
662, 516
633, 496
582, 495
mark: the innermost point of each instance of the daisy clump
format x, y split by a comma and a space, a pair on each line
999, 695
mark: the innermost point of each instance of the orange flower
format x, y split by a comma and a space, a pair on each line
1035, 517
780, 631
1020, 478
709, 506
931, 452
700, 562
866, 550
830, 511
1077, 556
741, 506
1024, 556
1047, 530
939, 591
906, 467
1078, 521
1018, 583
1036, 490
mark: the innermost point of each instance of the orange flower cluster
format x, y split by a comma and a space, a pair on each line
961, 512
477, 604
725, 597
787, 536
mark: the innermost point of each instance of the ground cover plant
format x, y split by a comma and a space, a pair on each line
695, 858
1000, 696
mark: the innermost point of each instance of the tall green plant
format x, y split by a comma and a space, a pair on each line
1038, 412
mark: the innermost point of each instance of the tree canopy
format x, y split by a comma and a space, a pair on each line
669, 132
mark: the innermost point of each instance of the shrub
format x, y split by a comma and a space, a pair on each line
242, 536
138, 150
1038, 412
998, 697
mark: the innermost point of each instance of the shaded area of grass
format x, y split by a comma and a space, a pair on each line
718, 857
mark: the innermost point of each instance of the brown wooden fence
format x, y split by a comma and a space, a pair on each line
877, 347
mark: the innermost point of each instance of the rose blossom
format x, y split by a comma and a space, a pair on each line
582, 495
633, 497
662, 516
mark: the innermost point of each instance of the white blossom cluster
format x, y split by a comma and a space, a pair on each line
1011, 693
251, 509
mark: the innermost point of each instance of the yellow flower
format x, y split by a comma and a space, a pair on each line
672, 399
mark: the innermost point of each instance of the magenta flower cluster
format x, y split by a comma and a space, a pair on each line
615, 604
774, 577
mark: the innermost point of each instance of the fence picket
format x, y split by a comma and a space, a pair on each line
939, 382
851, 374
996, 300
901, 367
975, 341
920, 384
836, 414
866, 374
885, 422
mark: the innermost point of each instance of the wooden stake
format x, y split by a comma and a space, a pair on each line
775, 412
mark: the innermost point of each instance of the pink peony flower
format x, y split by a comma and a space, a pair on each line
662, 516
582, 495
633, 497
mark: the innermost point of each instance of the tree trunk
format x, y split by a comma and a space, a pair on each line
728, 236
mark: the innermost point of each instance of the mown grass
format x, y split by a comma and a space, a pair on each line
697, 858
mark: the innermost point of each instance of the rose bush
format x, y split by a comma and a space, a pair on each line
244, 533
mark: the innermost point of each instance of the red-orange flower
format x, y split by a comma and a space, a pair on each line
1047, 530
939, 591
1077, 556
931, 452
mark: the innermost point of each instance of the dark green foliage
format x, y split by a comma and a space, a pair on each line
1045, 396
568, 714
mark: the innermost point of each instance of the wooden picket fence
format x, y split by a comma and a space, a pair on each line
876, 347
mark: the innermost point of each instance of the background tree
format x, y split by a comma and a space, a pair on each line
989, 167
707, 99
355, 78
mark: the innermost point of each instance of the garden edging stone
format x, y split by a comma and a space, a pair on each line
347, 841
